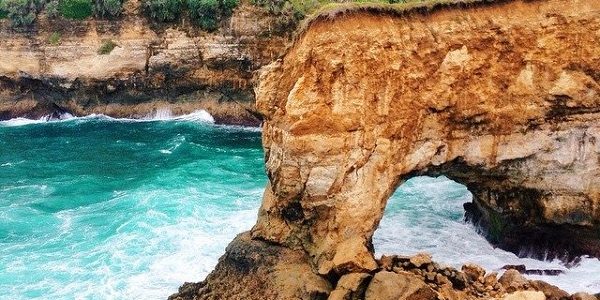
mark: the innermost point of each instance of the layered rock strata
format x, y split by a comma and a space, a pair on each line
502, 97
172, 66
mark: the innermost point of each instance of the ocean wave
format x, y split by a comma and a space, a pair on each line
200, 116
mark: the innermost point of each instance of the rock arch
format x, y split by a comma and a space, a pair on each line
503, 98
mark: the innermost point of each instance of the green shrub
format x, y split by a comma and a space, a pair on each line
75, 9
54, 39
51, 8
107, 8
204, 12
228, 6
3, 13
107, 47
163, 10
208, 13
21, 12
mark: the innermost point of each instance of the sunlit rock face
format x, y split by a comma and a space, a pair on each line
502, 98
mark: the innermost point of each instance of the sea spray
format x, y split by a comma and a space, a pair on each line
160, 115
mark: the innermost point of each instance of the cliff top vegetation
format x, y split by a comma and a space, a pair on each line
207, 14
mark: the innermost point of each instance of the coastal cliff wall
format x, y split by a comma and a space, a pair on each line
502, 97
176, 66
505, 100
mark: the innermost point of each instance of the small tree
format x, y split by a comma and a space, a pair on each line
163, 10
3, 13
208, 13
227, 7
107, 47
205, 13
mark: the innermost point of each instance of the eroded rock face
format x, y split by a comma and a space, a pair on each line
503, 98
254, 269
175, 66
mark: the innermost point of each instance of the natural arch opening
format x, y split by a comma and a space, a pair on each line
426, 214
517, 126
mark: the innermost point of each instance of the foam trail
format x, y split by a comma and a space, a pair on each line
20, 122
163, 114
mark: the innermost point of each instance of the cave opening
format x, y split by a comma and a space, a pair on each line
426, 214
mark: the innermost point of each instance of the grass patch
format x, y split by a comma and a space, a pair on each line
380, 8
107, 47
54, 39
75, 9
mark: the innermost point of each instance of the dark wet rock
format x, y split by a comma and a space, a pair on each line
523, 270
253, 269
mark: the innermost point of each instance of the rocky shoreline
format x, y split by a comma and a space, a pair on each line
258, 264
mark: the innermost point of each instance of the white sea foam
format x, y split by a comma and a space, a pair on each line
20, 122
163, 114
416, 220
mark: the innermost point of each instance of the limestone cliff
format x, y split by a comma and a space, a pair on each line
502, 97
175, 65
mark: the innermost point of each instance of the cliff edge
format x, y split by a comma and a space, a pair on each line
502, 97
132, 67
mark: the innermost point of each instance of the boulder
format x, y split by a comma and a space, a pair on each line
351, 287
398, 286
525, 295
512, 280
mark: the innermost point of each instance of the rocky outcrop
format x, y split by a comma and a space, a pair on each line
505, 103
154, 66
266, 271
502, 97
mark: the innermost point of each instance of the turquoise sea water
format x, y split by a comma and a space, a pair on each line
97, 208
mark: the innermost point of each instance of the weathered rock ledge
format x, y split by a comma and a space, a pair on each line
502, 97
